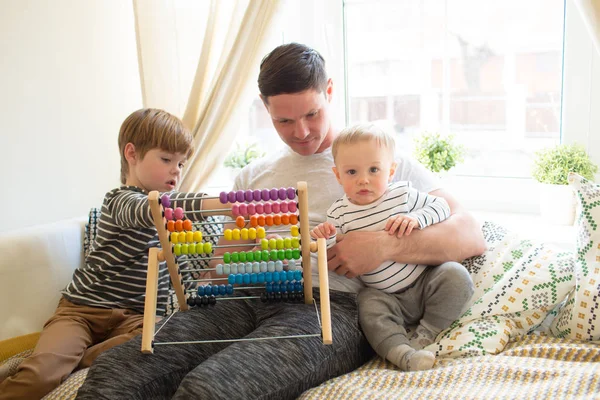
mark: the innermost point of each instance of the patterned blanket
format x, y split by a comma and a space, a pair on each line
530, 367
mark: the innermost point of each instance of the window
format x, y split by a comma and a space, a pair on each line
489, 73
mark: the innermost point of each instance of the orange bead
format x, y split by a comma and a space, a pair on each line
254, 221
293, 219
285, 219
261, 220
277, 219
240, 221
269, 220
171, 226
187, 225
179, 225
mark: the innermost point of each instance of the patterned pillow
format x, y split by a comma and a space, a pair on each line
580, 317
518, 282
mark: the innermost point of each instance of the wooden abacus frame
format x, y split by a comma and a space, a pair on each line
157, 255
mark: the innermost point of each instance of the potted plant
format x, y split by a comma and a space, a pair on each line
242, 155
438, 153
551, 168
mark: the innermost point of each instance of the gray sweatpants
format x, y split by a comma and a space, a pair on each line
437, 299
265, 369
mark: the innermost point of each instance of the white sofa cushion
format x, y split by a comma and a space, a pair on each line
35, 265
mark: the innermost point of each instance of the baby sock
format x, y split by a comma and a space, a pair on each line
408, 359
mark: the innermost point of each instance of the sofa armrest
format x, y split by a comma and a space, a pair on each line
35, 265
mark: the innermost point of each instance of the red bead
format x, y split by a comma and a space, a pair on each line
261, 220
277, 219
269, 220
240, 222
293, 219
187, 225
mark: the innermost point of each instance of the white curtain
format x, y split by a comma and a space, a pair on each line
232, 45
590, 11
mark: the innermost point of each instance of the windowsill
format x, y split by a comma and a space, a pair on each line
532, 226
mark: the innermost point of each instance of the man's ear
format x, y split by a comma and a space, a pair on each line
329, 90
130, 153
337, 174
392, 171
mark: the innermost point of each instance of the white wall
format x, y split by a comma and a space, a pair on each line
68, 77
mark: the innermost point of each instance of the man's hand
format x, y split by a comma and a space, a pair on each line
324, 230
357, 253
401, 224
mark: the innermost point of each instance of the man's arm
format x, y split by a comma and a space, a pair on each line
455, 239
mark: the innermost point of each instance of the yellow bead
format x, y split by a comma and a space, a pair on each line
264, 244
181, 237
236, 234
279, 244
192, 248
197, 236
207, 248
227, 234
244, 233
184, 248
294, 230
295, 242
287, 243
174, 236
252, 233
260, 232
189, 236
272, 244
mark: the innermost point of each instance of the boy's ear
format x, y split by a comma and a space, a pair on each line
130, 154
329, 90
337, 174
392, 171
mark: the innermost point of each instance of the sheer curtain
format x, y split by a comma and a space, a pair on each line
232, 45
590, 11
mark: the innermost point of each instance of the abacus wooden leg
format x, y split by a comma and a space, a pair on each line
324, 291
150, 303
305, 241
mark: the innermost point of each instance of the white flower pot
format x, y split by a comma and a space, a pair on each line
557, 204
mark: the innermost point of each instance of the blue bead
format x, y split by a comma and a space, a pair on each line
239, 278
229, 289
269, 287
276, 287
283, 275
231, 279
268, 277
275, 276
298, 275
246, 278
297, 287
253, 278
222, 289
290, 286
200, 290
283, 287
215, 290
261, 277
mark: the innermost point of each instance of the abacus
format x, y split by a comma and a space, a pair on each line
262, 271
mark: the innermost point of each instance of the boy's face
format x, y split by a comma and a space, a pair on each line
157, 170
302, 120
364, 170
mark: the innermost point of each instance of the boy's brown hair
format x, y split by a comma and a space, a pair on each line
291, 68
363, 132
151, 128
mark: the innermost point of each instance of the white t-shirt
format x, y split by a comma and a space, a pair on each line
286, 168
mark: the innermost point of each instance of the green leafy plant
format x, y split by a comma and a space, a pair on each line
242, 155
438, 153
553, 165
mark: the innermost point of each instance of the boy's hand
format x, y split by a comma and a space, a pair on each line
401, 224
324, 230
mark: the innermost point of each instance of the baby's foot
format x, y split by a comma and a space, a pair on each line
422, 337
408, 359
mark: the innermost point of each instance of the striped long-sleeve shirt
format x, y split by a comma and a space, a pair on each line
400, 198
114, 272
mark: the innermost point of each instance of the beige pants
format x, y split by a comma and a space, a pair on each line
71, 339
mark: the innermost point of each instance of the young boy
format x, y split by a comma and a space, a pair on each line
104, 303
397, 294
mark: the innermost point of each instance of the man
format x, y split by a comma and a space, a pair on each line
297, 94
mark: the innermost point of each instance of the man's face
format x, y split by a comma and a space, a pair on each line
302, 120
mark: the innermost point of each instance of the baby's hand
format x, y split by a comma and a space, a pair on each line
401, 224
324, 230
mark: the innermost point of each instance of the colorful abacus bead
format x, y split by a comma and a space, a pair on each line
168, 213
178, 213
165, 200
223, 197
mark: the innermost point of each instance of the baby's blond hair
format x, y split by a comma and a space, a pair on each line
361, 133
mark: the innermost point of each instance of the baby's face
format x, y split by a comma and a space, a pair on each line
364, 170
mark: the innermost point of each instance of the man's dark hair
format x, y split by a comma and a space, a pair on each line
291, 68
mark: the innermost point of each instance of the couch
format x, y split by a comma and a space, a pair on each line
529, 330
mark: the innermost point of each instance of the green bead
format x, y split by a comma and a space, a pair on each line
235, 257
281, 254
242, 256
273, 255
257, 255
249, 256
265, 255
296, 254
226, 258
177, 249
288, 254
